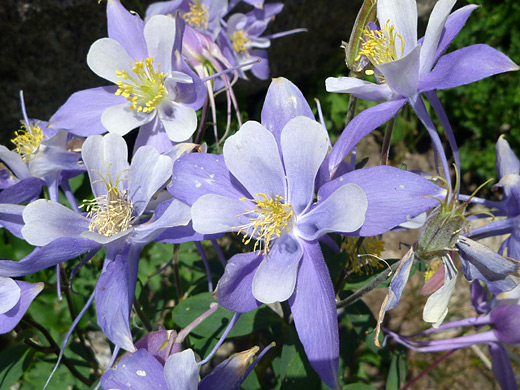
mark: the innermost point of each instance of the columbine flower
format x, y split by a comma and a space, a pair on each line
403, 68
122, 193
263, 186
504, 320
154, 88
15, 298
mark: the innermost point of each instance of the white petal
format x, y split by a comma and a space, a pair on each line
120, 119
9, 294
179, 121
106, 56
181, 371
359, 88
159, 34
218, 214
402, 14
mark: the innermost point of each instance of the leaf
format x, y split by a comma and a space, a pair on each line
358, 386
13, 362
397, 372
363, 322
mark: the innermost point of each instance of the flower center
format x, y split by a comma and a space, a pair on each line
379, 46
270, 216
111, 213
240, 41
145, 88
27, 140
198, 16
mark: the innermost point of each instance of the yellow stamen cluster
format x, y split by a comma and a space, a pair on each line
111, 213
145, 88
270, 216
198, 17
27, 140
379, 46
364, 257
240, 41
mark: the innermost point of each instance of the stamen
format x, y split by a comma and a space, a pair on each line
379, 46
145, 88
240, 41
269, 218
198, 17
111, 213
362, 259
27, 140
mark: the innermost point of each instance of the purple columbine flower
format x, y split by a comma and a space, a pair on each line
504, 320
118, 218
403, 69
155, 89
263, 186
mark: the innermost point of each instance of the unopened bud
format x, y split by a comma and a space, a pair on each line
367, 14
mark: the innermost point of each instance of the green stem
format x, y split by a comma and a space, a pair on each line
178, 287
385, 149
142, 316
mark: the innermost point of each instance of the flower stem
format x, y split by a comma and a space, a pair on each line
178, 287
427, 370
385, 149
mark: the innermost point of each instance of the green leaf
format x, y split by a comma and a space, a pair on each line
397, 373
358, 386
13, 362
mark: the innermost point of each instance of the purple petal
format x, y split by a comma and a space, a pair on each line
9, 294
506, 161
136, 371
342, 211
453, 25
11, 218
14, 162
394, 196
152, 133
502, 367
23, 191
181, 371
402, 75
465, 66
126, 28
45, 221
359, 127
481, 263
260, 70
283, 102
81, 113
275, 277
11, 318
234, 290
59, 250
252, 156
198, 174
495, 228
304, 144
359, 88
507, 326
313, 307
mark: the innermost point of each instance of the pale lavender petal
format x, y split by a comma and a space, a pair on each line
436, 307
402, 14
14, 162
506, 320
283, 102
9, 294
304, 144
506, 160
106, 56
56, 252
126, 28
179, 121
149, 172
23, 191
495, 228
252, 156
213, 213
260, 70
360, 88
45, 221
198, 174
433, 33
313, 307
481, 263
502, 367
465, 66
11, 318
394, 196
359, 127
181, 371
11, 218
453, 25
159, 33
121, 119
103, 155
136, 371
81, 113
343, 211
234, 290
275, 277
402, 75
163, 8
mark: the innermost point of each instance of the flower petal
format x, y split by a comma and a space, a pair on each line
121, 119
11, 318
465, 66
126, 28
502, 367
159, 33
9, 294
304, 144
14, 162
275, 277
179, 121
359, 88
106, 56
181, 371
313, 306
252, 156
506, 161
234, 290
152, 133
11, 218
218, 214
402, 75
402, 14
283, 102
343, 211
23, 191
45, 221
